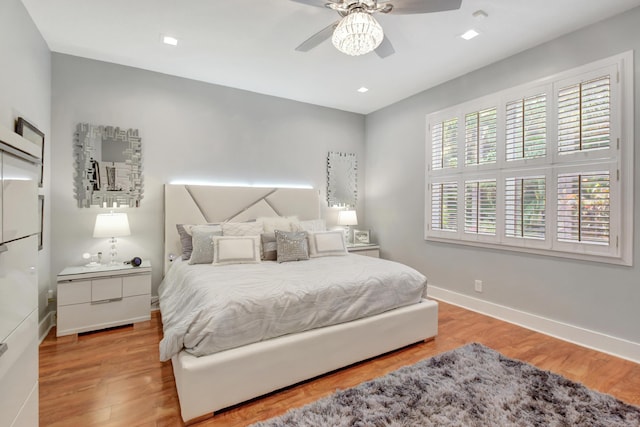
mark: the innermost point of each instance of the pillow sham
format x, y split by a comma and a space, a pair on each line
284, 223
327, 243
236, 250
202, 246
312, 225
291, 246
242, 228
269, 246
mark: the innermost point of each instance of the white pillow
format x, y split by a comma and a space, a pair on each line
326, 243
312, 225
242, 228
236, 250
283, 223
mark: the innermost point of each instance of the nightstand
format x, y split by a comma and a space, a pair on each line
367, 249
91, 298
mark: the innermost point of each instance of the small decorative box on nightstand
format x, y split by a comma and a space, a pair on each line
367, 249
91, 298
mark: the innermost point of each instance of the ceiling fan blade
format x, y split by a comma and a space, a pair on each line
385, 49
317, 3
317, 38
406, 7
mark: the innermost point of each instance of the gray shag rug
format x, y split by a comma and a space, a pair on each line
470, 386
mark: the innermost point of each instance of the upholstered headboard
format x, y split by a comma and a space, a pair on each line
201, 204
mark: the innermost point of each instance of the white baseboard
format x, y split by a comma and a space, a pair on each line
46, 324
584, 337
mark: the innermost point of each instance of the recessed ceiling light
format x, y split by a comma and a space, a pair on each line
363, 89
470, 34
170, 40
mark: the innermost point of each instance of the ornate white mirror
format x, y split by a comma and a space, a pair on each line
342, 179
108, 162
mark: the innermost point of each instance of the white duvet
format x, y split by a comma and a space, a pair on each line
206, 308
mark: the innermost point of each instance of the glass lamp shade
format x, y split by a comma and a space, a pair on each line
347, 218
111, 225
357, 33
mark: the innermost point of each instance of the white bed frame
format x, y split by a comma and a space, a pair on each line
210, 383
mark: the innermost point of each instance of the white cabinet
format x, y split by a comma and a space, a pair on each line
91, 298
18, 282
366, 249
19, 198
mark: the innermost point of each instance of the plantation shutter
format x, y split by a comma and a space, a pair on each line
444, 144
584, 213
480, 207
480, 137
584, 115
525, 207
444, 206
526, 128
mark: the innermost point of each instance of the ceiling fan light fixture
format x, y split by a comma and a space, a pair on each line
357, 33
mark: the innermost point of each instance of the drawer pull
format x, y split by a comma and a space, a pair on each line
3, 348
3, 248
106, 301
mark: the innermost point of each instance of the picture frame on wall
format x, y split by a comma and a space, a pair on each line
361, 237
41, 221
33, 134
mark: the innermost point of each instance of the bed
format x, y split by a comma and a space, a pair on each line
241, 368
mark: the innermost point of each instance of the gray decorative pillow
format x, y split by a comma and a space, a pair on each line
185, 241
202, 239
185, 232
291, 245
269, 247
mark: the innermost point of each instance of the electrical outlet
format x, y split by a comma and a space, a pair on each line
478, 285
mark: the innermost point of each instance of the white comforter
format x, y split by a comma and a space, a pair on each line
206, 308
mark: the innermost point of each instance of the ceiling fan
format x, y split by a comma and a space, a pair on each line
357, 32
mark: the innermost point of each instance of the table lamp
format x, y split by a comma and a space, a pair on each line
347, 219
112, 225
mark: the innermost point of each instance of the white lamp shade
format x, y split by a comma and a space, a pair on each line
111, 225
347, 218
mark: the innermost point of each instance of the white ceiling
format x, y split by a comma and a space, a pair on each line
249, 44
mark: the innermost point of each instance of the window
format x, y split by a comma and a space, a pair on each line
584, 115
480, 207
584, 208
480, 137
445, 144
525, 207
547, 166
444, 206
526, 133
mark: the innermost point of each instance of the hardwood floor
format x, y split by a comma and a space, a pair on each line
114, 378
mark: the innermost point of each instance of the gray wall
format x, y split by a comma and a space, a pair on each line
25, 91
595, 296
190, 130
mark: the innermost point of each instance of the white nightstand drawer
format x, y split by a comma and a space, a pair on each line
106, 289
74, 292
76, 318
370, 252
136, 285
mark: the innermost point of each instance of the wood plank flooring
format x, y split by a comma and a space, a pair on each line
113, 378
